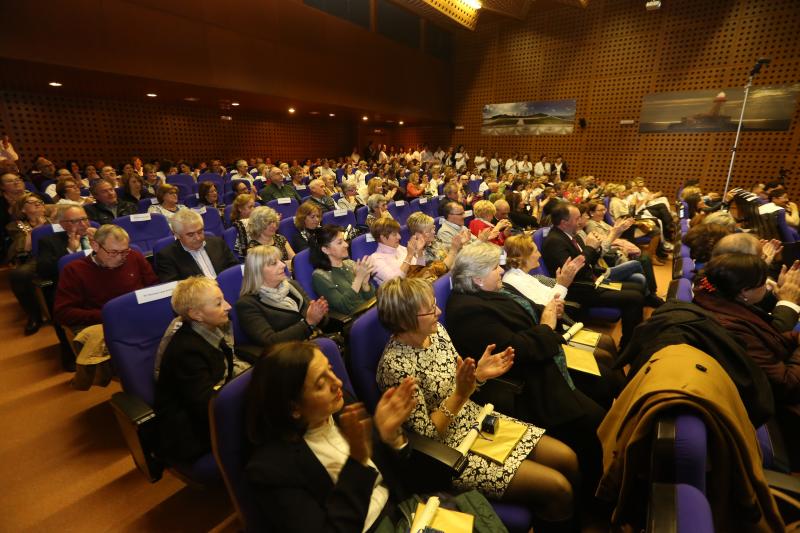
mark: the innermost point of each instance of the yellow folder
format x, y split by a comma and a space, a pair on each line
586, 337
449, 521
502, 443
580, 359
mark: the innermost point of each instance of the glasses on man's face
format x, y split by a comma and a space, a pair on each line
435, 308
34, 202
460, 214
115, 253
15, 180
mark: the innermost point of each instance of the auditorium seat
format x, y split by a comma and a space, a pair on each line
219, 182
400, 211
429, 206
287, 228
363, 245
286, 207
361, 215
182, 179
302, 271
229, 236
212, 222
145, 203
441, 291
340, 217
230, 283
44, 230
133, 332
144, 233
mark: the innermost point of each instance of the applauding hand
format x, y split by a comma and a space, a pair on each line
491, 365
393, 409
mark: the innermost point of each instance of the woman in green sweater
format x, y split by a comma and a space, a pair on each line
343, 282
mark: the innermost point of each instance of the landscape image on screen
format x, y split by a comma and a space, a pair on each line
556, 117
769, 108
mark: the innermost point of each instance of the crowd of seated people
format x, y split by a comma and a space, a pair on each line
504, 317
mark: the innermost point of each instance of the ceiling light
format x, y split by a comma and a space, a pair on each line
474, 4
331, 114
54, 84
291, 110
313, 112
152, 95
191, 99
401, 122
235, 104
226, 117
365, 118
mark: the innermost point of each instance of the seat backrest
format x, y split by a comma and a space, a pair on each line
181, 179
287, 207
607, 218
363, 245
145, 203
132, 333
219, 182
69, 258
400, 211
474, 186
303, 269
538, 239
441, 291
230, 283
226, 218
229, 236
684, 293
361, 215
287, 228
159, 245
212, 222
145, 229
340, 217
42, 231
368, 339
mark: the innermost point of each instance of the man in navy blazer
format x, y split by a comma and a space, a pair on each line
192, 254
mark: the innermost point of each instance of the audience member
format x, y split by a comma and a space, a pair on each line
306, 220
391, 259
241, 209
277, 188
262, 229
133, 189
434, 251
377, 209
107, 207
484, 213
196, 362
167, 196
319, 197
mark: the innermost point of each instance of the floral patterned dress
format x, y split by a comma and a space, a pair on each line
434, 368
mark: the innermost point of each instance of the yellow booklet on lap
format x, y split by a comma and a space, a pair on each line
502, 443
612, 285
586, 337
580, 359
449, 521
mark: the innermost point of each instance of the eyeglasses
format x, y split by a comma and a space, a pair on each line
15, 180
76, 221
115, 253
435, 308
34, 202
461, 214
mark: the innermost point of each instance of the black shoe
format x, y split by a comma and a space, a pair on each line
651, 300
67, 360
32, 326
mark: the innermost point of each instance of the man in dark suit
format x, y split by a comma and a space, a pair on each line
107, 207
562, 243
192, 254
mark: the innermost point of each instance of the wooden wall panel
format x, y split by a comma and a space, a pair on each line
63, 128
608, 57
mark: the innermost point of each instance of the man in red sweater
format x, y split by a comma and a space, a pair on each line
86, 284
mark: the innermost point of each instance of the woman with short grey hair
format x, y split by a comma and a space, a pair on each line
476, 261
377, 206
350, 199
262, 229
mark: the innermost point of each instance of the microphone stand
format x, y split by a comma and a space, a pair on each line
747, 86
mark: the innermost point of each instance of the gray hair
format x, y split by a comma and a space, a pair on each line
737, 243
723, 218
61, 210
418, 222
110, 231
349, 186
260, 218
374, 200
183, 217
257, 258
315, 182
475, 260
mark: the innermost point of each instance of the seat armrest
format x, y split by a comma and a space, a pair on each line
337, 322
662, 509
137, 422
501, 392
433, 465
662, 460
784, 482
42, 283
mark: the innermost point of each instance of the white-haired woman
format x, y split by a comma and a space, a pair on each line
195, 363
262, 229
377, 206
350, 199
272, 308
539, 472
434, 250
478, 313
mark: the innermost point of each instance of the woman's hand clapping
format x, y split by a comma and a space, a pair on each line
491, 365
566, 274
317, 309
393, 409
552, 312
465, 378
356, 428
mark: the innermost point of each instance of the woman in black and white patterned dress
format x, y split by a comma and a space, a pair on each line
540, 472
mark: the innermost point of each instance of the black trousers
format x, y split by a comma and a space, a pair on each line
629, 300
21, 280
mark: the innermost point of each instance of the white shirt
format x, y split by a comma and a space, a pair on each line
480, 162
332, 450
427, 156
540, 169
203, 261
461, 160
532, 288
511, 165
439, 155
524, 166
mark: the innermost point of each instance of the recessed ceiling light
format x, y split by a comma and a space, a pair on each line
54, 84
152, 95
313, 112
291, 110
191, 99
474, 4
331, 114
235, 104
365, 117
226, 117
401, 122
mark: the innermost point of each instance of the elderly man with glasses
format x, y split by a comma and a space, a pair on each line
86, 284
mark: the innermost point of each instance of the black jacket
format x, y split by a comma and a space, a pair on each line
558, 247
103, 215
51, 249
295, 493
190, 369
476, 320
686, 323
174, 263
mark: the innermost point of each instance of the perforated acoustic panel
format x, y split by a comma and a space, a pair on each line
612, 53
64, 128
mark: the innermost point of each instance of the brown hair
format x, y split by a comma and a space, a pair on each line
518, 249
383, 227
305, 209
